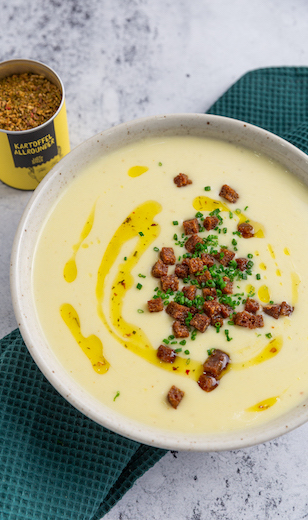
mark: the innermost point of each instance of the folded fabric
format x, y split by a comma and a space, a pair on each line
273, 98
55, 462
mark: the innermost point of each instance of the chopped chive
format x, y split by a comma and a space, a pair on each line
268, 335
227, 335
183, 342
230, 214
140, 311
117, 395
140, 233
156, 249
210, 351
160, 164
139, 286
258, 276
166, 341
175, 223
249, 255
175, 237
186, 352
177, 350
217, 326
207, 188
246, 208
141, 275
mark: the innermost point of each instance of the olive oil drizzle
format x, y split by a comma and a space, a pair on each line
271, 251
259, 230
264, 294
136, 171
263, 405
138, 224
204, 203
91, 345
271, 350
139, 221
70, 268
295, 280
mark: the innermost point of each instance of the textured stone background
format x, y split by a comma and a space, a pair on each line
122, 59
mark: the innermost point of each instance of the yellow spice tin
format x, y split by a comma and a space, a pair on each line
26, 156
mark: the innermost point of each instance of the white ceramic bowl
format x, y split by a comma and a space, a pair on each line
27, 235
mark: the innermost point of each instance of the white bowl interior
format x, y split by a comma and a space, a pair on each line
27, 235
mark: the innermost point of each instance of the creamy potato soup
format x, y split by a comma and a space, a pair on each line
92, 279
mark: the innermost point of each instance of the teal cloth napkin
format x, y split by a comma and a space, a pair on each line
273, 98
54, 462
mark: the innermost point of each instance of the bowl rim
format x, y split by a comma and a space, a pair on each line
20, 276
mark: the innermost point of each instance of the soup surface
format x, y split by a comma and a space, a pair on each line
92, 279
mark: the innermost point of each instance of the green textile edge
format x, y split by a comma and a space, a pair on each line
274, 98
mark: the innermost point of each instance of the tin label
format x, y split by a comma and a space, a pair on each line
41, 147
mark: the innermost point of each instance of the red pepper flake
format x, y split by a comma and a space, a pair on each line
187, 371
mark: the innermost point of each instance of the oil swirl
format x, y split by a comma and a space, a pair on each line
203, 203
271, 350
263, 405
139, 224
264, 294
136, 171
70, 268
295, 281
91, 346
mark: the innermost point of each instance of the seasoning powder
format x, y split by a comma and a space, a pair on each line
27, 101
33, 128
